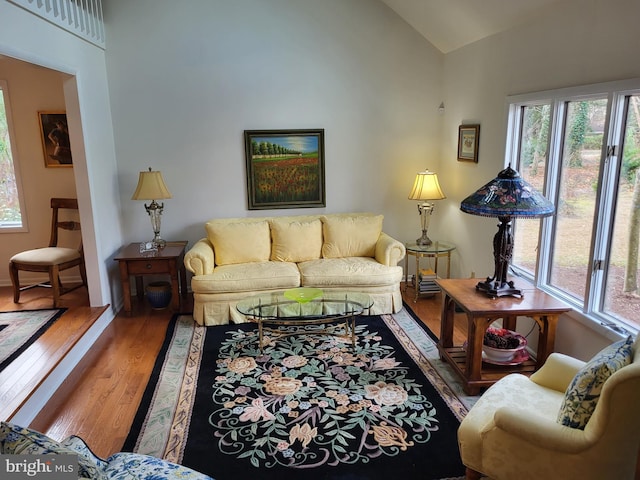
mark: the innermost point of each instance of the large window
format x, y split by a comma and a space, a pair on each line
11, 214
581, 147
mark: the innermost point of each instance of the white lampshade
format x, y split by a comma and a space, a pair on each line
151, 186
426, 187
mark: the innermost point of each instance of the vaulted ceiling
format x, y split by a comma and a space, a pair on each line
451, 24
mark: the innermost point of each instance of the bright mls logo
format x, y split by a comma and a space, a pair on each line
50, 467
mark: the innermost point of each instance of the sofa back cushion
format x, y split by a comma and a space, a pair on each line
239, 241
296, 240
350, 236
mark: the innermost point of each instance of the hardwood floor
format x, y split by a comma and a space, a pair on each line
100, 397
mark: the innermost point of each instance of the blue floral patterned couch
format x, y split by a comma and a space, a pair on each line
17, 440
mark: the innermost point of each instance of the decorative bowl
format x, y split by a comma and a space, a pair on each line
302, 294
497, 342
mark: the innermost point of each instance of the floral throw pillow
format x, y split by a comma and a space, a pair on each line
583, 393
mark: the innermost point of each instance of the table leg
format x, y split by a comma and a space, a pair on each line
406, 271
183, 280
509, 322
416, 279
477, 326
175, 288
126, 287
446, 321
546, 337
139, 288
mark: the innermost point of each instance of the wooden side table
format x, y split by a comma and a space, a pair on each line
482, 310
435, 250
166, 261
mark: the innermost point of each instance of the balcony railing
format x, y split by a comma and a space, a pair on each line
82, 18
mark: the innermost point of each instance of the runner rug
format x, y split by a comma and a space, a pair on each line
309, 406
19, 329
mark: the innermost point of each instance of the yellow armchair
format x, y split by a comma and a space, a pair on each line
512, 431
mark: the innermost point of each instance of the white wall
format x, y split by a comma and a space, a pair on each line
579, 43
187, 78
26, 37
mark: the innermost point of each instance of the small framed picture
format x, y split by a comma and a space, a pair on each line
285, 168
55, 139
468, 141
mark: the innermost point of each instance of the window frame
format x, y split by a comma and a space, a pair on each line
24, 227
591, 310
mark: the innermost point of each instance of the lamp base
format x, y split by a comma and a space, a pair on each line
159, 242
499, 289
424, 240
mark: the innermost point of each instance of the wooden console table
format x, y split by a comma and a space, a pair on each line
481, 311
166, 261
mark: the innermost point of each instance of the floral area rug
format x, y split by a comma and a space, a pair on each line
308, 406
21, 328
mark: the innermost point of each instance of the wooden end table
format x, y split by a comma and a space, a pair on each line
166, 261
481, 311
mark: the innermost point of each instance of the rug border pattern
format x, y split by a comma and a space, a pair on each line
451, 399
43, 324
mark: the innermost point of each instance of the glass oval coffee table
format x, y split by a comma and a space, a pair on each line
334, 313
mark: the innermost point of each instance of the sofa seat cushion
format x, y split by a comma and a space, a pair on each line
349, 271
248, 277
514, 391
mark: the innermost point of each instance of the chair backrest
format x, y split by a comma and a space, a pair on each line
58, 204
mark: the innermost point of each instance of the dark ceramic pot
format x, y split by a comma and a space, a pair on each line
159, 295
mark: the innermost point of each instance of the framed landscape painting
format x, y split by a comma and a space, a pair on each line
285, 168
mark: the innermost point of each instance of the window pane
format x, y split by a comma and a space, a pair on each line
581, 158
531, 165
9, 202
621, 292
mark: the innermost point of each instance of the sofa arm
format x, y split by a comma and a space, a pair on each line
557, 372
389, 251
200, 259
545, 433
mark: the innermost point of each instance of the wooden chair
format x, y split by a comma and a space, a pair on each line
52, 259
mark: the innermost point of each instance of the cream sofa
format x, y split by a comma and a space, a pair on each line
241, 257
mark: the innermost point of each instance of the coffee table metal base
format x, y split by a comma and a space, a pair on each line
342, 327
288, 313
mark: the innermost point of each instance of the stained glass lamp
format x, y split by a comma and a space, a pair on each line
506, 197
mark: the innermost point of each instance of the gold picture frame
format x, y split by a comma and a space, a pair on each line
468, 142
285, 168
55, 139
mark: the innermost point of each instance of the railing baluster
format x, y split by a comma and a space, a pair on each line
79, 17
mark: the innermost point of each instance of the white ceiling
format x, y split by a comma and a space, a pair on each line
451, 24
